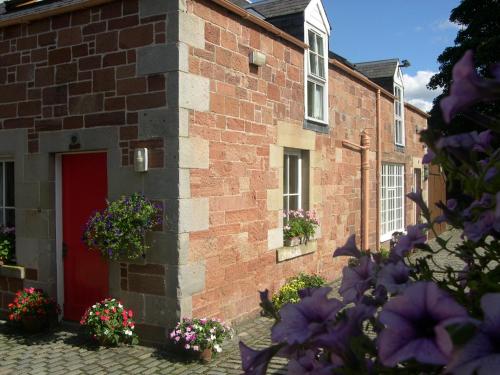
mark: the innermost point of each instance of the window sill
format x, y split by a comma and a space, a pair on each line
317, 126
291, 252
399, 148
14, 272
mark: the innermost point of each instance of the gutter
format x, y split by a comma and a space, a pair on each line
260, 22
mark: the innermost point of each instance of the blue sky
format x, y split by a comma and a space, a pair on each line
364, 30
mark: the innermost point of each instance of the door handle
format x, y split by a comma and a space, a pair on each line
64, 250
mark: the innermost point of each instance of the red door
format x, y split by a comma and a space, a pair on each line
84, 190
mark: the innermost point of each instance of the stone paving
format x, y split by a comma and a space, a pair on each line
64, 351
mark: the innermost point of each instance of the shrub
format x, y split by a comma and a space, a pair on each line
196, 335
300, 223
109, 323
33, 304
7, 244
119, 230
289, 293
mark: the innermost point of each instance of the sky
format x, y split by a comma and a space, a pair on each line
366, 30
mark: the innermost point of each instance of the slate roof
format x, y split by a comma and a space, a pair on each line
274, 8
378, 69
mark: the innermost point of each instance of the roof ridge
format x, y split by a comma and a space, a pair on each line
377, 61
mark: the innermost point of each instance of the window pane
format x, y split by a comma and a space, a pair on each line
294, 174
2, 222
285, 204
10, 218
9, 184
285, 175
321, 65
310, 99
313, 63
318, 107
312, 41
294, 202
320, 45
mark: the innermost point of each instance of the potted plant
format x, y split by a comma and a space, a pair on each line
299, 227
119, 230
109, 323
289, 293
7, 244
33, 310
203, 337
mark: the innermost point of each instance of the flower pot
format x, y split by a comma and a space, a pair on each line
293, 241
33, 324
206, 355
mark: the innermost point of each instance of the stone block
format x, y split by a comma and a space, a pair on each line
191, 30
193, 153
194, 92
274, 238
156, 59
148, 8
36, 167
28, 195
191, 278
184, 184
193, 215
163, 248
32, 224
274, 199
158, 123
276, 156
159, 310
161, 183
134, 301
294, 136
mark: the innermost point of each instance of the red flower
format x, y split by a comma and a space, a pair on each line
97, 313
130, 314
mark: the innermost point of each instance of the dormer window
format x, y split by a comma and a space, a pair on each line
316, 94
399, 129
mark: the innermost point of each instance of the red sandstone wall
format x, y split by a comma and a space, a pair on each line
246, 105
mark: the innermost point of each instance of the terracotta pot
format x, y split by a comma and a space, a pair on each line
34, 324
293, 241
206, 355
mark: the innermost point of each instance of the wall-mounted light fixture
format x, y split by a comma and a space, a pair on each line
141, 160
257, 58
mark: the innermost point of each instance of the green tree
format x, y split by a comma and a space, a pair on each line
480, 31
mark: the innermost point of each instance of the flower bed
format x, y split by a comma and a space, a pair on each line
33, 310
199, 335
119, 231
300, 226
109, 323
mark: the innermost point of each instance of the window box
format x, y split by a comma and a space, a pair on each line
14, 272
291, 252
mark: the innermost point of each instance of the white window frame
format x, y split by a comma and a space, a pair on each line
286, 172
3, 205
399, 116
315, 79
392, 200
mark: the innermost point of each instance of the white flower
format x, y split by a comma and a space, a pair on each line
94, 306
212, 337
90, 313
217, 348
120, 306
128, 332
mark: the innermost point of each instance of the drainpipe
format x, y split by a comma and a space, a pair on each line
378, 172
364, 148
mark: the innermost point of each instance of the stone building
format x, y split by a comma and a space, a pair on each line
244, 113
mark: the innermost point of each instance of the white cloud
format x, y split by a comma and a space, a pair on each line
416, 91
446, 25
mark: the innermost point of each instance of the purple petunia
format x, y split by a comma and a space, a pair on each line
415, 326
356, 280
349, 249
255, 362
468, 88
481, 354
414, 236
301, 321
394, 277
308, 364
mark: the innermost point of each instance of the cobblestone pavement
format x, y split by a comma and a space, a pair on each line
65, 352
